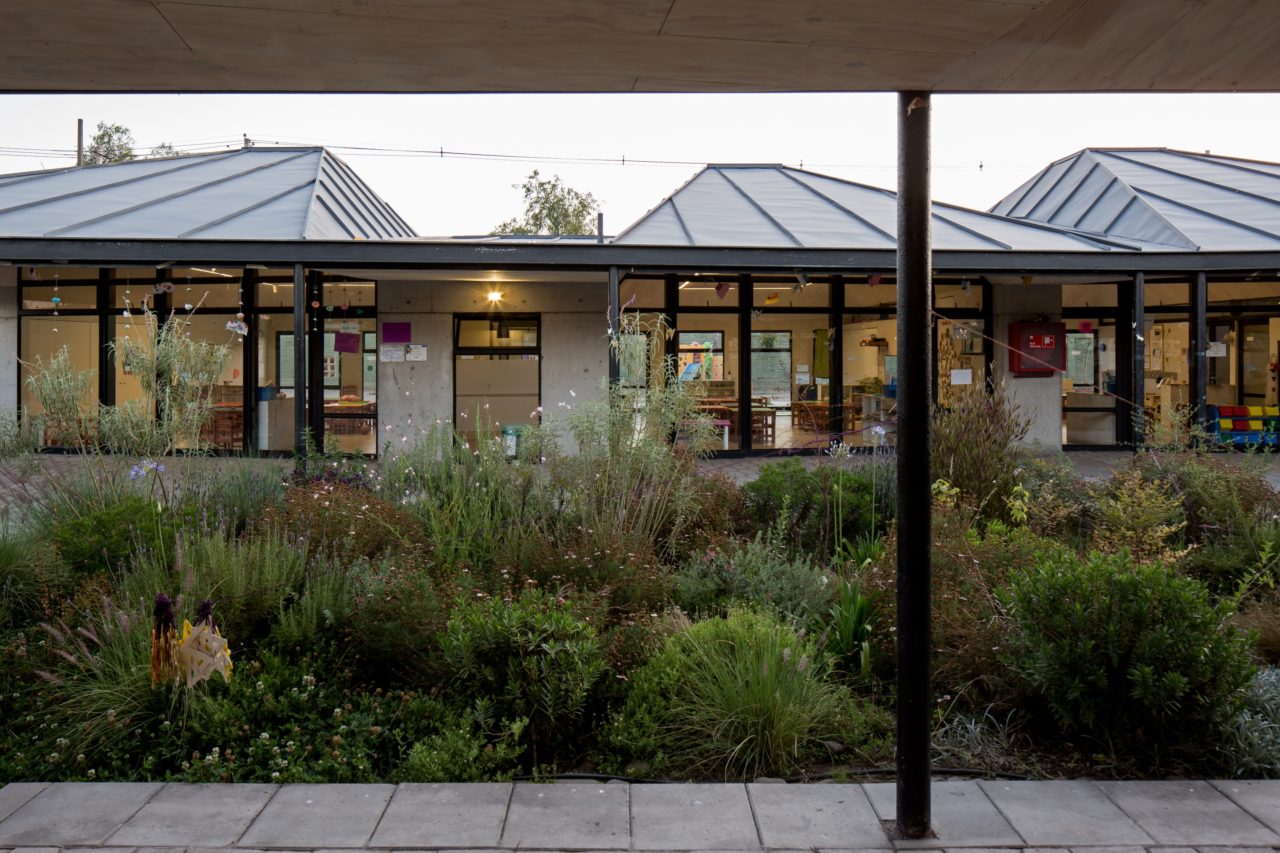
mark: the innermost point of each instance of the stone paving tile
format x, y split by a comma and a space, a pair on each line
1188, 813
692, 817
428, 816
855, 850
1235, 849
1172, 850
1063, 814
112, 849
807, 816
34, 850
1108, 850
74, 814
1259, 798
578, 817
313, 816
15, 795
211, 815
962, 816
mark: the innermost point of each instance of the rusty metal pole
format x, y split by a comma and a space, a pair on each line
914, 483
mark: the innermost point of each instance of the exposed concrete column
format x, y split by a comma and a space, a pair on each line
1037, 397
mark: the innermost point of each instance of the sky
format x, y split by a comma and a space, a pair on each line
984, 146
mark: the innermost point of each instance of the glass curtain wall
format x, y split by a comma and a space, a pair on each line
791, 366
1091, 384
497, 376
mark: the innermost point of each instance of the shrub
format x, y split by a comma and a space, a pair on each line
1139, 516
469, 747
758, 572
1130, 653
532, 657
322, 610
738, 697
343, 520
846, 631
818, 509
1251, 740
27, 578
975, 446
396, 615
101, 539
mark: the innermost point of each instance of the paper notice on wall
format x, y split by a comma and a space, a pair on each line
391, 353
1217, 349
962, 376
396, 333
415, 352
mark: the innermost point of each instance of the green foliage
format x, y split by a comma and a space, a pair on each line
552, 207
975, 446
249, 579
1130, 653
532, 657
758, 571
164, 149
469, 747
821, 510
317, 615
24, 577
105, 539
113, 143
738, 697
1139, 516
846, 632
1250, 743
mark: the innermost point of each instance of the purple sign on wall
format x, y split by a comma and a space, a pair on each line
397, 333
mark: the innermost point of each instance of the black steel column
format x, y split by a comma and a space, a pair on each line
315, 360
299, 363
746, 302
835, 359
249, 368
1199, 350
1139, 361
914, 511
1124, 358
615, 300
106, 336
671, 303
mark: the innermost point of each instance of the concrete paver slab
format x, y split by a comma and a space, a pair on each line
692, 817
1064, 814
807, 816
1108, 850
563, 817
74, 814
422, 815
211, 815
35, 850
1190, 813
962, 816
15, 795
319, 816
1260, 798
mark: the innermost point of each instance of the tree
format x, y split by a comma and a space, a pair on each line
164, 149
113, 143
550, 207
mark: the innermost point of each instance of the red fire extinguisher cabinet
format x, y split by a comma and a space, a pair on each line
1037, 349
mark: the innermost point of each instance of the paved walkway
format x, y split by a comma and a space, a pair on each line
1107, 817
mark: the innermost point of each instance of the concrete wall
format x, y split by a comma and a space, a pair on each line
575, 350
8, 338
1038, 398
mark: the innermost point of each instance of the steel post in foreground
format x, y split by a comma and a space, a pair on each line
914, 482
615, 332
1199, 351
1139, 361
299, 364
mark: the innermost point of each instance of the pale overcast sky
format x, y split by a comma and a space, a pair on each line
848, 135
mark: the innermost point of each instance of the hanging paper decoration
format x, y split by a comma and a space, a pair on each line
873, 280
722, 289
164, 642
162, 287
346, 342
203, 651
1086, 326
771, 299
240, 327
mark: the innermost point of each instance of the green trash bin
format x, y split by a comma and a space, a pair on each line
511, 440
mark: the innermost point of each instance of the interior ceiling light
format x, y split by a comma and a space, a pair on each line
495, 296
213, 271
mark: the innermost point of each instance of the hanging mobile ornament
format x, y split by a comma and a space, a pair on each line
57, 300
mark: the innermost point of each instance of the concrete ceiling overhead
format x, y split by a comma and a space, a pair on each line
638, 45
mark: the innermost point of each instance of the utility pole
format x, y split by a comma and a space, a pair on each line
79, 142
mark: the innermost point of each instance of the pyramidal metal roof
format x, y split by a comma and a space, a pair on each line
1179, 199
775, 206
246, 194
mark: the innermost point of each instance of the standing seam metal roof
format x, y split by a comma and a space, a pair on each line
775, 206
250, 193
1178, 199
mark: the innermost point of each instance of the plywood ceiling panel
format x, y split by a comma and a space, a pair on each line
639, 45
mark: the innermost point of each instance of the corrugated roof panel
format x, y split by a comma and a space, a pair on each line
716, 214
211, 202
1050, 202
1023, 200
816, 219
1073, 208
287, 214
203, 194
